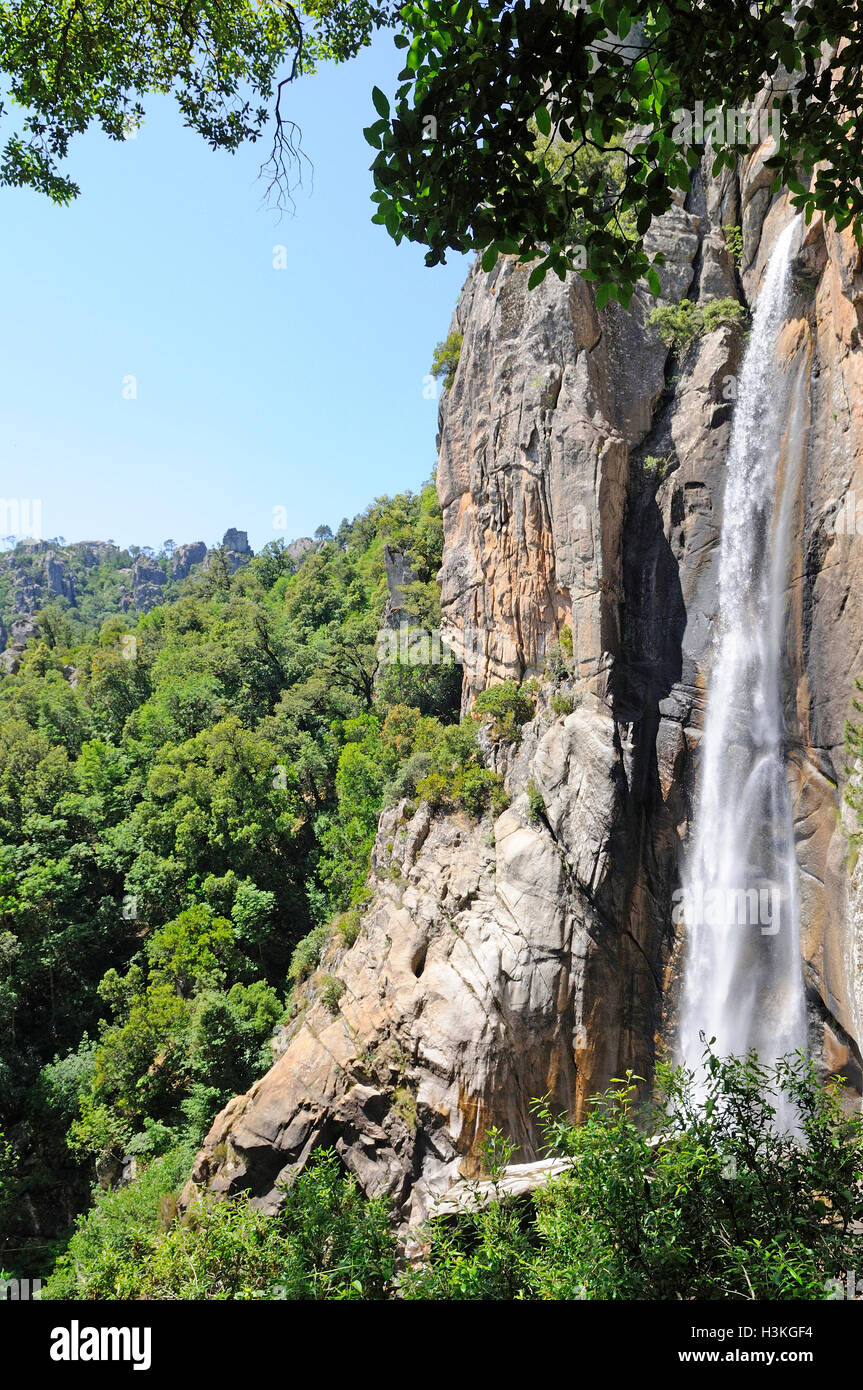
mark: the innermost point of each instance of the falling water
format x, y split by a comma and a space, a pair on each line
743, 982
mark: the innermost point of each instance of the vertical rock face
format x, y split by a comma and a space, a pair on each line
582, 477
548, 400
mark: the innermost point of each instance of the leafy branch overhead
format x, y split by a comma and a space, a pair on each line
457, 165
70, 65
546, 130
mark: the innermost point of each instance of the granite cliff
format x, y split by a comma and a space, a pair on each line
581, 477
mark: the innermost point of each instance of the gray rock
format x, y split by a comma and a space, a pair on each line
236, 541
539, 957
185, 556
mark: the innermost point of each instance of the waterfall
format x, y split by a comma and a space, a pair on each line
739, 900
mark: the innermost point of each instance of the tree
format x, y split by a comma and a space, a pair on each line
486, 145
69, 66
694, 1197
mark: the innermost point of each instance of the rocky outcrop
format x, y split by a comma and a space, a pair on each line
37, 573
581, 476
234, 550
148, 580
298, 550
20, 633
184, 557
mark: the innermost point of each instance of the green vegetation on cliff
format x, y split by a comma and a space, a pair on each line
667, 1201
187, 796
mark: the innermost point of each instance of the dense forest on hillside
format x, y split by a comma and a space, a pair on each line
187, 796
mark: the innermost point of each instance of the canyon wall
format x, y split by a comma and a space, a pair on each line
581, 477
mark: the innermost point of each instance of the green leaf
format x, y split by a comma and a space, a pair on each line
543, 121
382, 106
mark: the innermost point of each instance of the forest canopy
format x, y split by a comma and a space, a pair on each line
548, 130
188, 801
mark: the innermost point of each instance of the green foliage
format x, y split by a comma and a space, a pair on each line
328, 1242
688, 1198
535, 802
69, 67
308, 952
657, 468
348, 926
433, 689
121, 1225
446, 356
679, 325
853, 795
565, 639
455, 164
330, 991
510, 705
734, 242
7, 1173
175, 824
450, 775
405, 1106
684, 1197
563, 704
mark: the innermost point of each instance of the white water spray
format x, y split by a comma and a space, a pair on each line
743, 982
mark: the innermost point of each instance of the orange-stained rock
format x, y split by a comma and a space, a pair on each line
581, 477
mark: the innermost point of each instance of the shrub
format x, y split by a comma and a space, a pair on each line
405, 1106
510, 706
475, 789
446, 356
720, 312
327, 1242
698, 1196
656, 467
308, 952
121, 1226
535, 803
330, 992
565, 639
448, 772
563, 704
555, 665
435, 790
734, 242
478, 789
853, 795
348, 926
680, 324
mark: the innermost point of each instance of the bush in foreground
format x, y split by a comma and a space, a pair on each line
692, 1196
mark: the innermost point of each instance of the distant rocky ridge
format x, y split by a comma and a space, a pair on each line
93, 580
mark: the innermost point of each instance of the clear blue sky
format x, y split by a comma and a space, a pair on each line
256, 388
